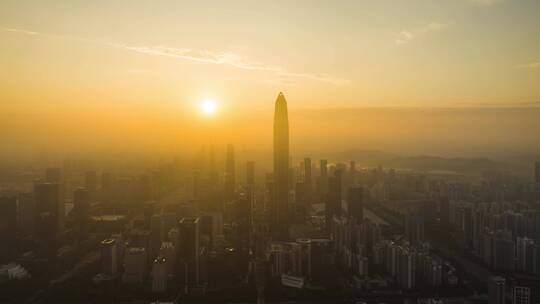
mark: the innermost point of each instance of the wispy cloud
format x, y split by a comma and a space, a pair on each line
406, 36
530, 65
484, 2
203, 56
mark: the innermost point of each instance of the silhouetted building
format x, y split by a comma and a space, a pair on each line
279, 210
189, 253
81, 209
355, 203
135, 262
496, 290
308, 179
8, 227
333, 201
323, 178
230, 173
49, 199
414, 227
26, 214
109, 256
250, 174
53, 175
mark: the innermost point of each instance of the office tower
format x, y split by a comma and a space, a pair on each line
308, 179
213, 172
90, 183
250, 174
189, 252
537, 172
503, 254
26, 214
230, 173
168, 252
333, 201
407, 268
280, 217
109, 256
323, 178
135, 261
81, 209
46, 232
160, 275
156, 226
53, 175
355, 206
352, 173
526, 251
8, 226
521, 295
49, 199
496, 290
414, 227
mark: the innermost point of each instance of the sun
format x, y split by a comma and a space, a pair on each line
208, 107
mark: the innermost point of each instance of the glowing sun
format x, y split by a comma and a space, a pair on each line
208, 107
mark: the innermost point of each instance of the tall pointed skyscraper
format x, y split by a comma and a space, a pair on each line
280, 215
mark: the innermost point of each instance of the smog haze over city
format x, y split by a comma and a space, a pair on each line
270, 151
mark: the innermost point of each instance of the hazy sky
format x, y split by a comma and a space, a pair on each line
150, 63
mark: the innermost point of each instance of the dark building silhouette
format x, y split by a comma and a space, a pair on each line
250, 174
496, 290
308, 179
537, 172
230, 173
333, 201
280, 216
53, 175
81, 209
323, 178
355, 200
49, 199
8, 226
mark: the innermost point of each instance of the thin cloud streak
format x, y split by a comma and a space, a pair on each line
229, 59
406, 36
200, 56
530, 65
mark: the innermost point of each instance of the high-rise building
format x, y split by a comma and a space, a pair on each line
49, 199
230, 173
355, 203
81, 208
26, 213
333, 201
526, 252
189, 251
160, 275
280, 201
414, 227
537, 172
90, 183
53, 175
8, 226
323, 178
308, 179
250, 174
135, 261
496, 290
109, 256
521, 295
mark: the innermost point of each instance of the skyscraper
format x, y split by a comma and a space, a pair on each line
496, 290
537, 172
250, 174
280, 219
230, 173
